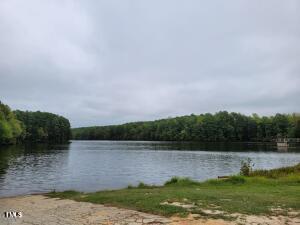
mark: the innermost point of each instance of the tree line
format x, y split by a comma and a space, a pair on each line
25, 126
221, 126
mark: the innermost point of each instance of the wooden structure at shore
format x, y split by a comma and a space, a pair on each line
285, 142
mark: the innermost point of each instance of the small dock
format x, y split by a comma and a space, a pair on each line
285, 142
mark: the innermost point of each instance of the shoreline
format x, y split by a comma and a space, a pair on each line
264, 197
42, 210
267, 193
129, 185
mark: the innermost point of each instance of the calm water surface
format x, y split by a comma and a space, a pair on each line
98, 165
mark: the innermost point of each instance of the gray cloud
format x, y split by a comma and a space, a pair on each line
109, 62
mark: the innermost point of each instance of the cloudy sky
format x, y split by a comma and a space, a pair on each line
109, 62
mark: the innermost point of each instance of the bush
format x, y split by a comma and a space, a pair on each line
181, 181
142, 185
246, 167
173, 180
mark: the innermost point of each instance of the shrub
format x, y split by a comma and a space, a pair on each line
143, 185
173, 180
246, 167
181, 181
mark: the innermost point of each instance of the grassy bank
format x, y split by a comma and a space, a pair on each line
262, 193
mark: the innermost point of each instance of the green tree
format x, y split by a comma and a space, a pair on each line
11, 129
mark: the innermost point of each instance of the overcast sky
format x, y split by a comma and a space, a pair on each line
109, 62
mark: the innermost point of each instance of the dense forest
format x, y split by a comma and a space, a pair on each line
11, 129
221, 126
44, 126
19, 126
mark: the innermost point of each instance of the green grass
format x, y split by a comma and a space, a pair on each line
276, 173
256, 194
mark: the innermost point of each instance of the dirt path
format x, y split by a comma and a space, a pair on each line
40, 210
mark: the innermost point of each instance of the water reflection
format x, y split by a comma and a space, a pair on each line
25, 167
95, 165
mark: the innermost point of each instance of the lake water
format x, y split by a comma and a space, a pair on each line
98, 165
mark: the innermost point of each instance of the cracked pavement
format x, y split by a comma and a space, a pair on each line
40, 210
